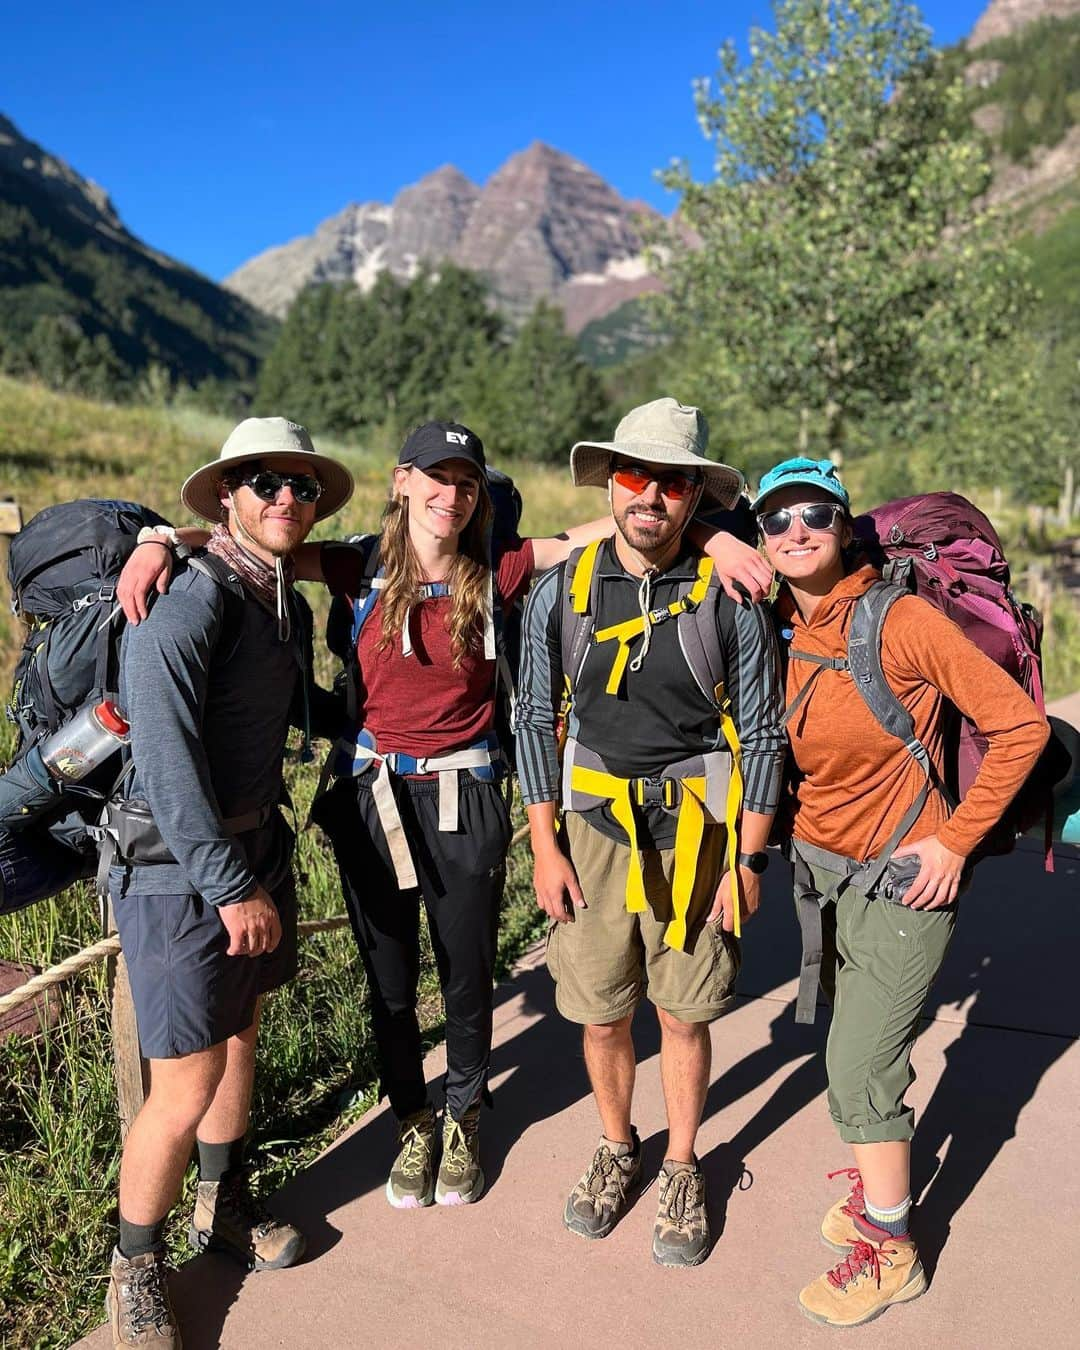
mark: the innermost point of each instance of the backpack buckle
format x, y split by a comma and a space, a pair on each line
656, 792
930, 553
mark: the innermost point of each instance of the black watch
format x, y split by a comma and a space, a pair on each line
754, 862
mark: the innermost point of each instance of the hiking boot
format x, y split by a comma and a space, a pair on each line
411, 1183
228, 1218
838, 1229
681, 1233
599, 1200
137, 1303
871, 1277
461, 1180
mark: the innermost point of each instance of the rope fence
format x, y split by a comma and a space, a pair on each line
110, 946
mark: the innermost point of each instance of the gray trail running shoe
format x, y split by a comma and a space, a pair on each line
681, 1233
228, 1218
461, 1179
599, 1200
411, 1183
137, 1303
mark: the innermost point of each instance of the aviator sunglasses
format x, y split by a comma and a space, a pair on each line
266, 485
820, 516
673, 483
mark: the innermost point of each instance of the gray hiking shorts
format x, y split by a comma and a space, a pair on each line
188, 994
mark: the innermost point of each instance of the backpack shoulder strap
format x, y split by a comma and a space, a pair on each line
699, 637
864, 662
578, 616
231, 590
370, 575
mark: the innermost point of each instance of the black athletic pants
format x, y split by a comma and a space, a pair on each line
461, 875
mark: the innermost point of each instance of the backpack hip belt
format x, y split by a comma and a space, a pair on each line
484, 754
705, 789
127, 833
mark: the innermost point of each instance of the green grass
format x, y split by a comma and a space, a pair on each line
59, 1135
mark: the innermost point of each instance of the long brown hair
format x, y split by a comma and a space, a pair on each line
468, 575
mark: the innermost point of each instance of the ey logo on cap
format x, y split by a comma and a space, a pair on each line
457, 438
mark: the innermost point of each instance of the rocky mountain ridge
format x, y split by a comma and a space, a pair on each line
543, 226
76, 286
1003, 18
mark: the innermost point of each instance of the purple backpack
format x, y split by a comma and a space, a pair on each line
944, 549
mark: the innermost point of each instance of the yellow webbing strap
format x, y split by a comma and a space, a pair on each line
734, 800
629, 629
579, 587
689, 832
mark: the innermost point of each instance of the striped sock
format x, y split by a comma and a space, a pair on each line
894, 1221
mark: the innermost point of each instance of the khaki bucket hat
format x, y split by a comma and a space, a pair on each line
266, 439
663, 432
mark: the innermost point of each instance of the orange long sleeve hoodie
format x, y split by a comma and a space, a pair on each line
857, 781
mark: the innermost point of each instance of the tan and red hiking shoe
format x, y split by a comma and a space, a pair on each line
838, 1229
229, 1218
871, 1277
137, 1303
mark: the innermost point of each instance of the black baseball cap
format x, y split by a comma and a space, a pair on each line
437, 441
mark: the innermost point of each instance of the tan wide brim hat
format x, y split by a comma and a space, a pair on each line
664, 433
266, 439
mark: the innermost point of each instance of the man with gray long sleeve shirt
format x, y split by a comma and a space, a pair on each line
671, 760
204, 897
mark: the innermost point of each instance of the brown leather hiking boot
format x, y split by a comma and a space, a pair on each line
137, 1303
871, 1277
228, 1218
411, 1183
838, 1229
600, 1199
681, 1232
461, 1178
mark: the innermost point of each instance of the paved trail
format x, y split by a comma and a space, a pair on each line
999, 1134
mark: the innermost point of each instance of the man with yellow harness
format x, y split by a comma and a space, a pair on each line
664, 697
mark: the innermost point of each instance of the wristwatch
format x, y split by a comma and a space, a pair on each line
754, 862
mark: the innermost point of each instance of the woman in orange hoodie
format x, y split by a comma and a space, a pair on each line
884, 931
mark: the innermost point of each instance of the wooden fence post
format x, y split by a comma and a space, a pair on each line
131, 1071
10, 523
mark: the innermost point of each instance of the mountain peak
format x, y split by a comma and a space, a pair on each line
26, 159
1002, 18
543, 220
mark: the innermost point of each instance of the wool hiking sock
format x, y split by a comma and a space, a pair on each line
218, 1161
137, 1239
894, 1221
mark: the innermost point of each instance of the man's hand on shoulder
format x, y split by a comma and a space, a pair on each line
147, 570
252, 924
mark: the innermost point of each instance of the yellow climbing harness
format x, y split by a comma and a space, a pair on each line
693, 793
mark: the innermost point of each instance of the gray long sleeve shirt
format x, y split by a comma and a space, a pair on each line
208, 686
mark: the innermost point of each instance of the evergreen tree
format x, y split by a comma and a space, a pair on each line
544, 395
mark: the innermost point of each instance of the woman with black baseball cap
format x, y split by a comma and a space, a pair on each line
416, 807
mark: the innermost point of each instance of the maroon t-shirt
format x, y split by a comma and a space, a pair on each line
421, 704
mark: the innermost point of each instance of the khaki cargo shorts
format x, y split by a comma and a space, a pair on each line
605, 959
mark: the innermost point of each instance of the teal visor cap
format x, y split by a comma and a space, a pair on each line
819, 473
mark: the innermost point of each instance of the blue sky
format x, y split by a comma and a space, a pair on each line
220, 129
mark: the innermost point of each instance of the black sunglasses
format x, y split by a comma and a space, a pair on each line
818, 516
266, 485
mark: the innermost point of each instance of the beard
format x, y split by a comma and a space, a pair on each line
647, 539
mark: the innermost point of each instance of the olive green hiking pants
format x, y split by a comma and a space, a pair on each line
879, 960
